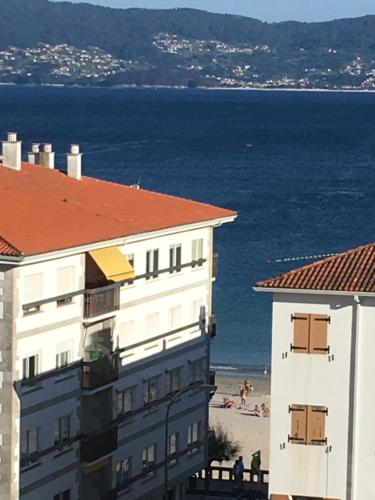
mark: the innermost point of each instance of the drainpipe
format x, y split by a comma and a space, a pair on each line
353, 402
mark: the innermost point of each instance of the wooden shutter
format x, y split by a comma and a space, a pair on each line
301, 333
318, 334
298, 424
277, 496
316, 425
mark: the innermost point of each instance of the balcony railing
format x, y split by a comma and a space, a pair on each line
101, 372
215, 261
100, 302
97, 446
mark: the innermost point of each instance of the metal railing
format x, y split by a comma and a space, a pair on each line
226, 474
101, 372
99, 445
100, 302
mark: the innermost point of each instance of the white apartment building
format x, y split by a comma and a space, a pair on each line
322, 442
105, 314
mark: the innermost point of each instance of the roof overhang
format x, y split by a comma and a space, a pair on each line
119, 241
314, 292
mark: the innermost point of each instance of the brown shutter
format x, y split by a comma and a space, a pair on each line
301, 333
316, 425
275, 496
298, 424
318, 334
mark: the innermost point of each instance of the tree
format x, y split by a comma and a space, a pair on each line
220, 446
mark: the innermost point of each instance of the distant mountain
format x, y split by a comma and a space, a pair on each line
65, 43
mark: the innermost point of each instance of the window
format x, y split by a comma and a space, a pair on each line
65, 495
308, 424
151, 390
197, 252
64, 302
193, 437
175, 258
197, 371
29, 446
32, 292
173, 448
152, 324
123, 473
175, 317
62, 359
62, 431
30, 367
148, 458
173, 380
310, 334
125, 401
152, 264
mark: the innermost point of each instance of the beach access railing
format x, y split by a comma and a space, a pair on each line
226, 474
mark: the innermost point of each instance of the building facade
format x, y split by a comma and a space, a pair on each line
322, 434
105, 314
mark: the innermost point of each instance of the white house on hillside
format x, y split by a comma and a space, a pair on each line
322, 443
105, 314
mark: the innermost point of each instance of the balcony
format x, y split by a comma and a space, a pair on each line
103, 371
215, 260
99, 302
96, 446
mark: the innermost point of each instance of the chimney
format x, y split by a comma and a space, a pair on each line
74, 160
12, 151
33, 156
47, 157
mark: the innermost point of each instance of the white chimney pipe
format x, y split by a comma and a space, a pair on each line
47, 156
33, 156
74, 161
12, 151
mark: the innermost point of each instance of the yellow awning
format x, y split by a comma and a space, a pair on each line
113, 264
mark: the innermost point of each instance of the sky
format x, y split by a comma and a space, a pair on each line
266, 10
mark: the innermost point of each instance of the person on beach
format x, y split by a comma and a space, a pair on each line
241, 468
265, 410
255, 465
236, 472
243, 396
258, 412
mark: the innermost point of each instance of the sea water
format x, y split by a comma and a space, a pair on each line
299, 167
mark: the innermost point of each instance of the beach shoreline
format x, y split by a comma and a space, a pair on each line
251, 432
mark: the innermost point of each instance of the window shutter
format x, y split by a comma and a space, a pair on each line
298, 425
33, 288
316, 425
65, 280
275, 496
301, 333
318, 334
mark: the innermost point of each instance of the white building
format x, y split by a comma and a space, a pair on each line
322, 443
105, 312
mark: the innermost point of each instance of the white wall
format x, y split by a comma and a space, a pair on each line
311, 380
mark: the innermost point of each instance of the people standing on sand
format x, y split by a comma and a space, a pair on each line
243, 396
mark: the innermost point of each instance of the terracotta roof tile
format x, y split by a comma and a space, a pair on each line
44, 210
7, 249
350, 271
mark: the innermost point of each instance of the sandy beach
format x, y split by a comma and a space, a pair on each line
251, 432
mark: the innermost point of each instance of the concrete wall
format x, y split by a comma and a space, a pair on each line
311, 380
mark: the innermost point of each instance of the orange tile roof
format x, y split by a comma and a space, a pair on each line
44, 210
351, 271
7, 249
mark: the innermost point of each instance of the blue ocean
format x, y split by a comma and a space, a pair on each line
299, 167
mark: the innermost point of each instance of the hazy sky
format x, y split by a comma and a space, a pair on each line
267, 10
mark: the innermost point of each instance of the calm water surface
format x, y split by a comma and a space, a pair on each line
298, 166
